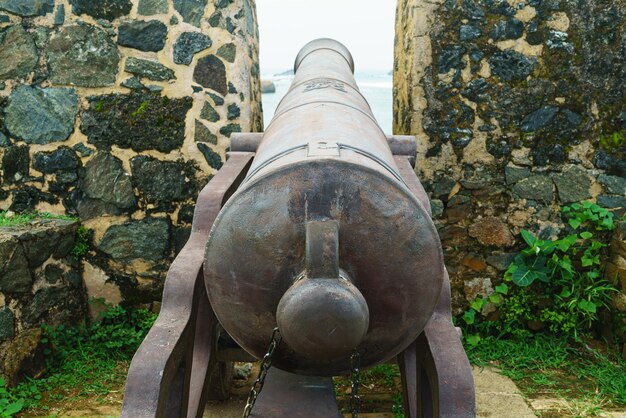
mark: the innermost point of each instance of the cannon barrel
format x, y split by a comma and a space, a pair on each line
323, 238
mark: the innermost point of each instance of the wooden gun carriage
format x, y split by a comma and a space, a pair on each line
320, 229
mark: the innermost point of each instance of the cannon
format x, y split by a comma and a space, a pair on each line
312, 249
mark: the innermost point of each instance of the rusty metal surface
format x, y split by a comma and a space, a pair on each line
448, 367
245, 141
323, 104
387, 245
324, 157
249, 142
176, 352
412, 182
436, 374
402, 145
296, 396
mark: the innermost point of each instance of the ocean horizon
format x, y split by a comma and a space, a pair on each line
375, 85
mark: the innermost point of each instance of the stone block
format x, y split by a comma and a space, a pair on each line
15, 164
491, 231
27, 8
82, 55
146, 239
163, 181
210, 72
510, 65
102, 9
613, 184
188, 44
149, 69
191, 10
212, 158
535, 187
18, 55
105, 179
152, 7
143, 35
61, 159
41, 116
573, 185
15, 276
7, 324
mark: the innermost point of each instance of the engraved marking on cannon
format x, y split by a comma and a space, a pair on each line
324, 83
323, 148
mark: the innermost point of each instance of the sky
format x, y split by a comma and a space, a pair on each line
366, 27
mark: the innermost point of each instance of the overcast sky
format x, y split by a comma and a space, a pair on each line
366, 27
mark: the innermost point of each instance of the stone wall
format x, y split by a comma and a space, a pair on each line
40, 283
119, 112
519, 109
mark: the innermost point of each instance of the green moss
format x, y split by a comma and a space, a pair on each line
99, 106
141, 109
613, 141
130, 121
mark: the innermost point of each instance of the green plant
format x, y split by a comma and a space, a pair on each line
81, 242
85, 360
470, 317
115, 335
554, 284
9, 404
397, 408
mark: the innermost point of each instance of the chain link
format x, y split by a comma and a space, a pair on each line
266, 363
355, 379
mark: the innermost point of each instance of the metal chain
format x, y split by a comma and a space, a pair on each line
355, 379
266, 363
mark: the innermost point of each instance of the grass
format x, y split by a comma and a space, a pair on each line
85, 364
589, 375
87, 367
380, 390
25, 218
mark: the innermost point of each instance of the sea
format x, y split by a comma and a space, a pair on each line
376, 86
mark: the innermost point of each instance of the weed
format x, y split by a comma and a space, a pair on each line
81, 242
397, 408
588, 406
542, 360
385, 373
556, 285
13, 219
10, 404
75, 356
